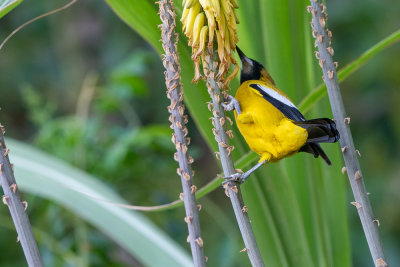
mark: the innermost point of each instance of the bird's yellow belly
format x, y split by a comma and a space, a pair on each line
269, 133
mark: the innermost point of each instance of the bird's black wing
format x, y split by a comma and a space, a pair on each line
280, 102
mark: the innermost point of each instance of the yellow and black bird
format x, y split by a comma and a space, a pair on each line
270, 123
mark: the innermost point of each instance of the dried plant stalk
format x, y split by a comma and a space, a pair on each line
178, 121
233, 189
17, 208
368, 221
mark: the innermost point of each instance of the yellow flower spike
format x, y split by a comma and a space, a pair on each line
216, 7
236, 15
221, 25
198, 25
234, 3
197, 73
233, 39
203, 41
205, 4
212, 24
185, 14
189, 3
222, 69
227, 43
233, 74
227, 10
221, 46
194, 11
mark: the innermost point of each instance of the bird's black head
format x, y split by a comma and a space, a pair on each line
251, 69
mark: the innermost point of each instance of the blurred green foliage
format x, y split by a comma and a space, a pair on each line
83, 86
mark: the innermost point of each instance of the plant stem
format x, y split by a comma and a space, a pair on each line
368, 221
178, 121
233, 189
17, 208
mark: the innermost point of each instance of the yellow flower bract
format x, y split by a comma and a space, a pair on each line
211, 24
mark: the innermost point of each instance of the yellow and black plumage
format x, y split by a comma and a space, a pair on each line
270, 123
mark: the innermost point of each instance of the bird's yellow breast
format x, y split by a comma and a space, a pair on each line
266, 130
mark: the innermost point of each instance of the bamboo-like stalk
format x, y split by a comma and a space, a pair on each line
369, 222
178, 121
233, 189
17, 208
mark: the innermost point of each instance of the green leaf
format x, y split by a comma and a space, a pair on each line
142, 16
43, 175
8, 5
320, 91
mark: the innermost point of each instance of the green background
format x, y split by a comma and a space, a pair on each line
84, 87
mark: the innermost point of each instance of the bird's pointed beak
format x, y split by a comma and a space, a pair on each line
240, 52
246, 62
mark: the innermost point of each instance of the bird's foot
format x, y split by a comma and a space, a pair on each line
236, 177
242, 177
231, 103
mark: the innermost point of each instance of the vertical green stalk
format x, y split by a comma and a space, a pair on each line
178, 121
233, 189
368, 221
17, 208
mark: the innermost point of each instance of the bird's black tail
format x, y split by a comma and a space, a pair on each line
319, 131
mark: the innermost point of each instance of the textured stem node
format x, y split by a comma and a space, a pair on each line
188, 219
13, 187
356, 204
5, 199
199, 242
376, 221
193, 189
330, 74
330, 51
381, 263
25, 204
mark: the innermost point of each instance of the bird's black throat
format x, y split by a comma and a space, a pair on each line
252, 73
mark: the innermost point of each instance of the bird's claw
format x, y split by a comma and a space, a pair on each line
236, 177
231, 103
228, 104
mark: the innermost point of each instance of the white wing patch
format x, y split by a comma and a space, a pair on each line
274, 94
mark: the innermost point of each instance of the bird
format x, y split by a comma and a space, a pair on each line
270, 123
